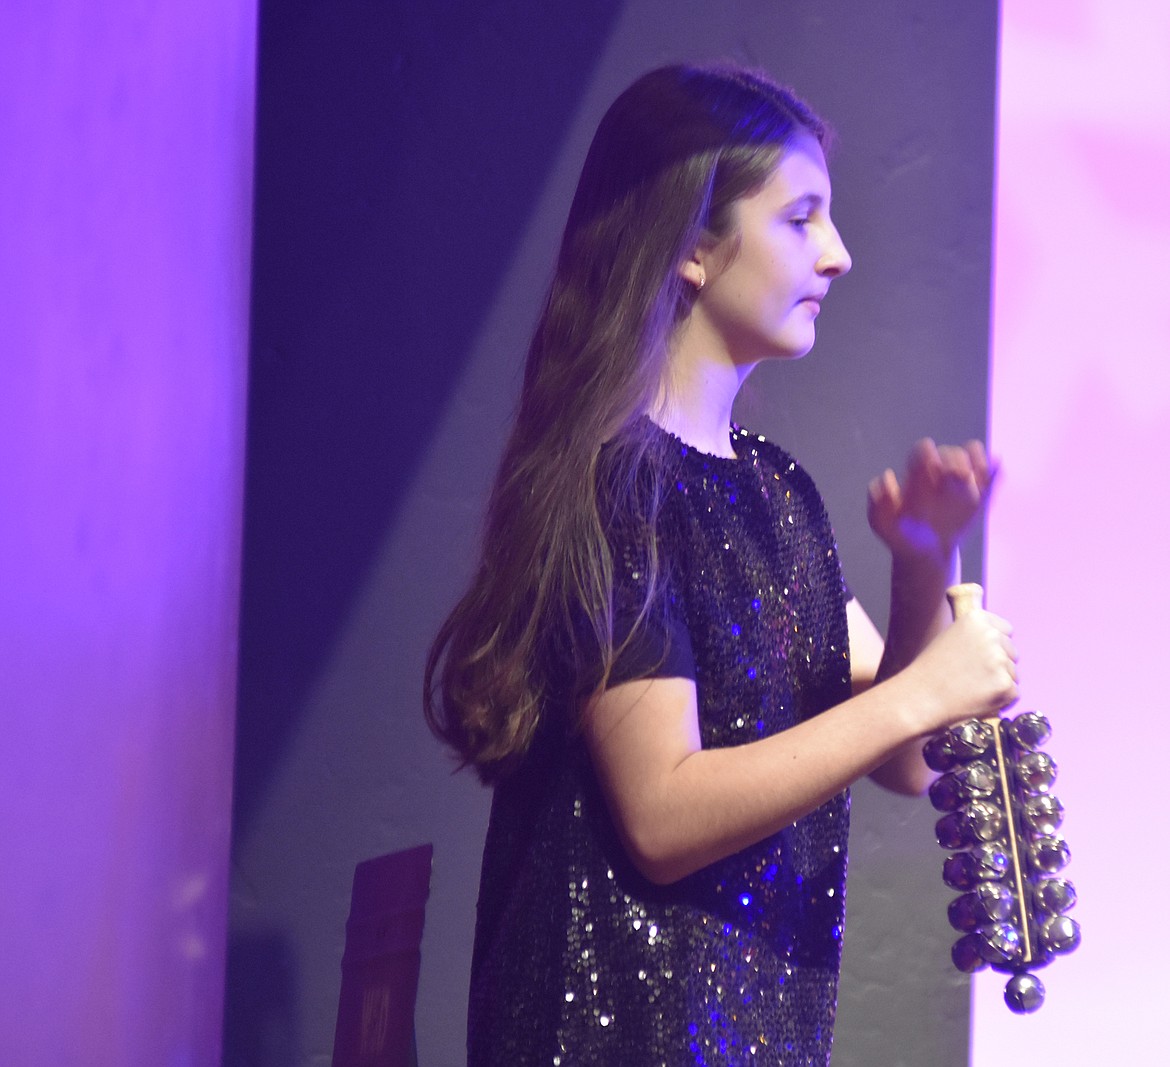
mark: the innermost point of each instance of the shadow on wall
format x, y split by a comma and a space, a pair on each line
389, 198
379, 185
260, 1021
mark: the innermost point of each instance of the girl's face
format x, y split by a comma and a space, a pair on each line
766, 280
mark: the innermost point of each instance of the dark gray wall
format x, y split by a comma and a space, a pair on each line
414, 164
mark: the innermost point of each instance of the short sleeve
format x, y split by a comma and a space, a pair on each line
657, 645
659, 648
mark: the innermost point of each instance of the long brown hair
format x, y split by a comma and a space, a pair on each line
669, 159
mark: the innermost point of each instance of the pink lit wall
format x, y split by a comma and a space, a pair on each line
125, 176
1078, 548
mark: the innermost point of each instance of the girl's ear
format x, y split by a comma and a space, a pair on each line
692, 271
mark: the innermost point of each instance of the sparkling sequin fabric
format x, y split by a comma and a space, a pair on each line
581, 961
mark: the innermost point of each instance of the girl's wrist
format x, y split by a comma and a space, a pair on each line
914, 706
939, 562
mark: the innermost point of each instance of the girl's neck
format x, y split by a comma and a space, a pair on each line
695, 401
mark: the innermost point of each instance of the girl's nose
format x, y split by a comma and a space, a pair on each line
835, 260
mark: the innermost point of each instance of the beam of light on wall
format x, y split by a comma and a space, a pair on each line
126, 134
1077, 559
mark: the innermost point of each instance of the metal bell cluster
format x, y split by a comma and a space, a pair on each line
1000, 821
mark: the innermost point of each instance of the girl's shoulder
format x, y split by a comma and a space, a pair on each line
758, 450
755, 451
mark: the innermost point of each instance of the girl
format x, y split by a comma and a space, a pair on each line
657, 664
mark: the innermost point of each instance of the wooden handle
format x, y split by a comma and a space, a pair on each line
965, 598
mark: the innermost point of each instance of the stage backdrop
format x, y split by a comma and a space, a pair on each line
1077, 550
125, 225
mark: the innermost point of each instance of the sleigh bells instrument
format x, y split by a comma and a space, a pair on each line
1000, 822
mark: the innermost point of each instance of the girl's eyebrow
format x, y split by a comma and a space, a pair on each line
811, 200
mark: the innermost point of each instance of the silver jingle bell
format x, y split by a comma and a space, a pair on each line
970, 739
1029, 730
1048, 854
985, 821
1035, 773
978, 821
984, 863
967, 954
1002, 945
1054, 896
1060, 934
1024, 993
1043, 813
973, 782
937, 753
990, 902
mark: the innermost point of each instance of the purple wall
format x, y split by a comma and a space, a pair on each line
125, 179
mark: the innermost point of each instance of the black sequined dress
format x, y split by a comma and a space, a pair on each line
579, 960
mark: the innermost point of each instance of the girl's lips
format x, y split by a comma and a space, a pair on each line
814, 300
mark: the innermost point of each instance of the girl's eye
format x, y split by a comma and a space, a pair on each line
800, 222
